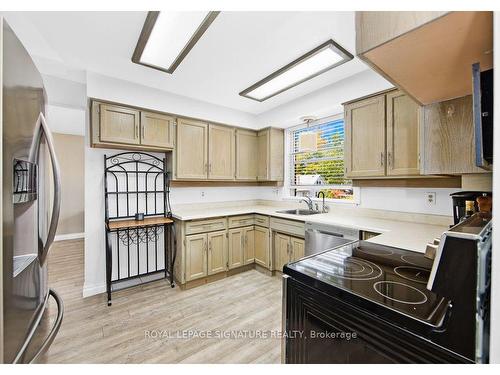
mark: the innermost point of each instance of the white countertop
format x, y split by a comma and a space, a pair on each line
401, 234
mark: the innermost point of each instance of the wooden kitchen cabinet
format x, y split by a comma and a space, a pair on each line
448, 138
365, 153
281, 251
196, 256
287, 249
382, 136
217, 252
191, 148
236, 257
297, 248
246, 155
221, 152
403, 115
249, 245
118, 124
261, 242
270, 144
427, 54
157, 130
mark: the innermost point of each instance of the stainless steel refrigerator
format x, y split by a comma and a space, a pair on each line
31, 191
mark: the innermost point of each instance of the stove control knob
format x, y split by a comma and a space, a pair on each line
437, 241
430, 251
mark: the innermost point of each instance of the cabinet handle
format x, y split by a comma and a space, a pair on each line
143, 128
210, 246
136, 132
381, 159
389, 158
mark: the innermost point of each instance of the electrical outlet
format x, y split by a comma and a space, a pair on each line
430, 197
202, 194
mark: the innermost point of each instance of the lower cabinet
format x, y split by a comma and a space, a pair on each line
206, 254
287, 249
241, 246
217, 252
261, 243
196, 256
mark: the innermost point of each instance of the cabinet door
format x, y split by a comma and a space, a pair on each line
249, 248
261, 243
217, 252
157, 130
236, 239
118, 124
263, 155
191, 148
246, 155
196, 256
365, 137
221, 153
297, 248
402, 135
448, 139
281, 251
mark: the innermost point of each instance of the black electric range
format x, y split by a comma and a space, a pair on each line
380, 292
393, 278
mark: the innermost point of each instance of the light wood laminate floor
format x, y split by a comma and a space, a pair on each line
134, 328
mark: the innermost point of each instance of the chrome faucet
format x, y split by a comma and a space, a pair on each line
324, 208
309, 202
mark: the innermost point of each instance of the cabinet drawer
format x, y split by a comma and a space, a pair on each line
295, 228
262, 220
240, 221
200, 226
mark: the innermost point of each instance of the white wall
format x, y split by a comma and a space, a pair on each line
116, 90
407, 200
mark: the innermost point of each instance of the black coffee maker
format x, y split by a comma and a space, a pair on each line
459, 202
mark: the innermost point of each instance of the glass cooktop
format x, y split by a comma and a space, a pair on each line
391, 277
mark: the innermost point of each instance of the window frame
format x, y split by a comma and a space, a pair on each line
288, 164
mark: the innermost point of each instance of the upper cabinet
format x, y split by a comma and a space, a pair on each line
382, 136
220, 152
192, 149
270, 154
402, 115
246, 155
365, 137
201, 151
448, 138
157, 130
117, 126
429, 55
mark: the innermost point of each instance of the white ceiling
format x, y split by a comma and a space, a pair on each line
237, 50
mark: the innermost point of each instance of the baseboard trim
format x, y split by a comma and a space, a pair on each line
69, 236
92, 290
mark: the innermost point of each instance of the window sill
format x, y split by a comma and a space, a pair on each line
355, 201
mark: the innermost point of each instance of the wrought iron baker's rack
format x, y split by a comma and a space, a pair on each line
137, 182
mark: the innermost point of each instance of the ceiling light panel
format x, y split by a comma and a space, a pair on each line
167, 37
321, 59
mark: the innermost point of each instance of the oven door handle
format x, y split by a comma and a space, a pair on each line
42, 128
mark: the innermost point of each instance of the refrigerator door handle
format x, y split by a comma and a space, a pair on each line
42, 128
51, 336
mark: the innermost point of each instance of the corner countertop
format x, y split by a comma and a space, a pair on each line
402, 234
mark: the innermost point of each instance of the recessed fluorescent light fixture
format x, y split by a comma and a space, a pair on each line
167, 37
322, 58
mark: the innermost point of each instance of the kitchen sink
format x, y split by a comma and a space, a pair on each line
299, 212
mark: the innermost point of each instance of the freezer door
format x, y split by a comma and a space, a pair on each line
24, 279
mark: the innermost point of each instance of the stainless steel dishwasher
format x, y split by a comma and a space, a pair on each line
322, 237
